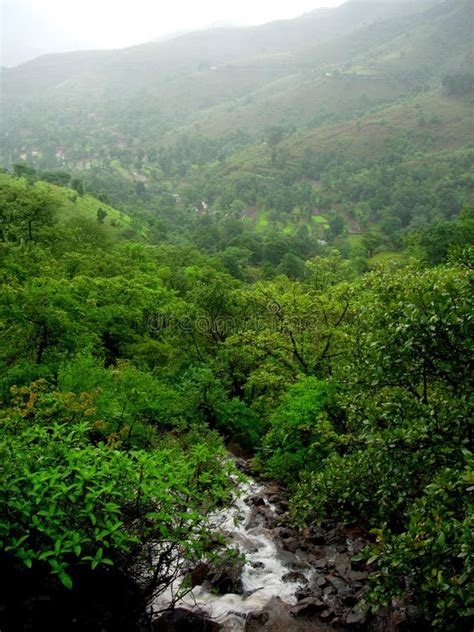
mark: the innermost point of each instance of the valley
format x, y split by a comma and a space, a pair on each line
236, 328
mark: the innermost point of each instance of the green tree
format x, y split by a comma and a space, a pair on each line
101, 215
23, 211
78, 185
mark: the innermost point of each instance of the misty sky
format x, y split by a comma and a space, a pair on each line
117, 23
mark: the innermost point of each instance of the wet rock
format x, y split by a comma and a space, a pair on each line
300, 565
321, 563
356, 576
285, 534
257, 501
256, 519
294, 576
313, 535
261, 517
260, 618
317, 582
356, 618
283, 519
181, 620
280, 503
236, 613
199, 574
337, 582
249, 593
326, 615
291, 545
304, 546
318, 552
271, 520
228, 579
257, 565
308, 607
304, 593
274, 497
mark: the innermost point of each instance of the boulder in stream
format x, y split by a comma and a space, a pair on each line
295, 576
259, 617
182, 620
199, 574
291, 544
308, 607
228, 579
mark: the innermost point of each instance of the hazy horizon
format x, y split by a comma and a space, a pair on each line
56, 26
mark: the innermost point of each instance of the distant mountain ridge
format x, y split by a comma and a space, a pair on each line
330, 62
144, 66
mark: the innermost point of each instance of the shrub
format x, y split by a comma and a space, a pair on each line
65, 502
434, 557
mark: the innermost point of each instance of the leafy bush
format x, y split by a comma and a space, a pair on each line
434, 557
65, 502
375, 483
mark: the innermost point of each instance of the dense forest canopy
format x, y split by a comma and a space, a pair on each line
257, 240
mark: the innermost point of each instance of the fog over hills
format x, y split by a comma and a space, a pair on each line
34, 27
28, 31
224, 79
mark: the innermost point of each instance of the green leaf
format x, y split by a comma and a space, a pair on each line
65, 579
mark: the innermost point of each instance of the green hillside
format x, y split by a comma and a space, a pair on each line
352, 74
70, 207
255, 77
242, 121
432, 121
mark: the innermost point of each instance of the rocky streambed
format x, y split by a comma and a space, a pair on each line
290, 579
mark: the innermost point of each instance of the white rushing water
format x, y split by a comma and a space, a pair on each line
262, 575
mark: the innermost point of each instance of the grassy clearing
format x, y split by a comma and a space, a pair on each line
387, 257
320, 219
262, 220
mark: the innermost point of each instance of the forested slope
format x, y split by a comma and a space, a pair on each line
351, 390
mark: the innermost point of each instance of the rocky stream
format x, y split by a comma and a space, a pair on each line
290, 580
